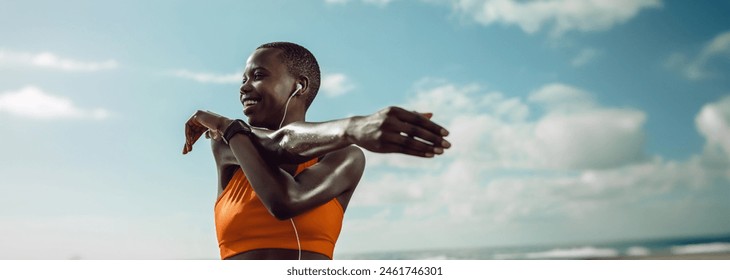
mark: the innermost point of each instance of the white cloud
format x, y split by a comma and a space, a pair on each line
485, 208
557, 97
50, 60
336, 1
534, 15
697, 68
574, 133
578, 133
336, 84
601, 138
562, 15
379, 3
202, 77
584, 57
713, 122
719, 45
448, 101
491, 133
577, 170
32, 102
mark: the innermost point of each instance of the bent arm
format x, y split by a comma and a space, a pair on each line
286, 196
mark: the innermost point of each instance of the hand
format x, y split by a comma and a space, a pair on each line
395, 130
203, 122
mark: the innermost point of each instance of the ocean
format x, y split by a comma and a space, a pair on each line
640, 249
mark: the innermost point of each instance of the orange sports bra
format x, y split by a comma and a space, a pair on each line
243, 223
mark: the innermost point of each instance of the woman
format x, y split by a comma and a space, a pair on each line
284, 184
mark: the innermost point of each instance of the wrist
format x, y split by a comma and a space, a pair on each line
223, 123
350, 131
234, 128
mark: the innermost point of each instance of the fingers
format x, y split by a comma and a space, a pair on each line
190, 142
188, 131
410, 133
193, 131
187, 147
201, 122
395, 148
417, 131
402, 143
418, 120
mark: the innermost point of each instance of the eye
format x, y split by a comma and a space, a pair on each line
258, 76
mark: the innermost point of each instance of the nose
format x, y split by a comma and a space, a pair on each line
246, 86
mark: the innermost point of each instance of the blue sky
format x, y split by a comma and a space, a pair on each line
572, 121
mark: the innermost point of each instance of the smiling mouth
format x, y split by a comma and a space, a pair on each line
248, 105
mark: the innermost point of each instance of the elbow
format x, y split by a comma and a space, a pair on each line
282, 148
282, 210
282, 214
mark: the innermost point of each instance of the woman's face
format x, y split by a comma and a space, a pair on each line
266, 86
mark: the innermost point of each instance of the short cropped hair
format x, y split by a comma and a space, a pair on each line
300, 62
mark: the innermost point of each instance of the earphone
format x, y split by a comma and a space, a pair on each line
286, 107
299, 87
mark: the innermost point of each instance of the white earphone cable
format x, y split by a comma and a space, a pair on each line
286, 107
299, 244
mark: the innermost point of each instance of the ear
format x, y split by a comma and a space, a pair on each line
302, 82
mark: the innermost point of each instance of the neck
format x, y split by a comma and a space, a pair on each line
290, 118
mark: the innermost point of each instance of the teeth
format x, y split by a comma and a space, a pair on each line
250, 102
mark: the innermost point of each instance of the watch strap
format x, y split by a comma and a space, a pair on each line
236, 127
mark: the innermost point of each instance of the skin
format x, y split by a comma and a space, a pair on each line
270, 155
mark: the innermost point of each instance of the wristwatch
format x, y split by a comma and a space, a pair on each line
236, 127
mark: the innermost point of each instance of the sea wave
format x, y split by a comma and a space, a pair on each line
585, 252
574, 253
638, 251
434, 257
717, 247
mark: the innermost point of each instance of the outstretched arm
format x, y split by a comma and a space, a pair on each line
391, 130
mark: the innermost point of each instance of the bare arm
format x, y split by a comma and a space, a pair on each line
300, 141
391, 130
285, 195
